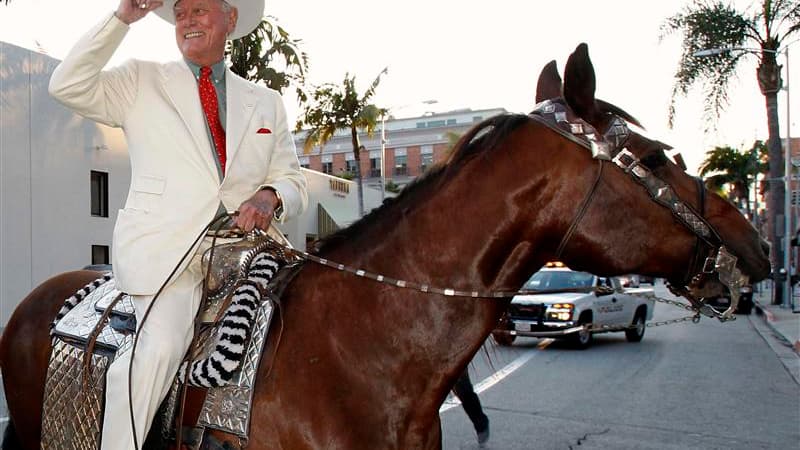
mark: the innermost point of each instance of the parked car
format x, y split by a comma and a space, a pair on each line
568, 314
745, 305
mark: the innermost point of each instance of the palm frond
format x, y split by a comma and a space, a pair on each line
707, 25
269, 55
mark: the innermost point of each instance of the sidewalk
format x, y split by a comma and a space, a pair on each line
783, 321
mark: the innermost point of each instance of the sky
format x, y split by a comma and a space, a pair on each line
463, 54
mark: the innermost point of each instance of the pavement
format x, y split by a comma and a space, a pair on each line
783, 321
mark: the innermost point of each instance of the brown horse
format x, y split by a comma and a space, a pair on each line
366, 365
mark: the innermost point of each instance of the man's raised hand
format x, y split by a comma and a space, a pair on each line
130, 11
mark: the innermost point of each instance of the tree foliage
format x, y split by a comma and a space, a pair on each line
728, 35
733, 172
270, 56
717, 25
340, 107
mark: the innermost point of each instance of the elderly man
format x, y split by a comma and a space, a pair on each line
201, 140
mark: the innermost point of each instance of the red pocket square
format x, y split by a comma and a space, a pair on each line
264, 131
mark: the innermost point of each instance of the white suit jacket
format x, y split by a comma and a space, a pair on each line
175, 189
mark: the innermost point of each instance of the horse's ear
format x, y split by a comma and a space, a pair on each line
549, 84
579, 82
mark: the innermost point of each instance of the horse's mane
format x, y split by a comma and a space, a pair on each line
617, 111
480, 139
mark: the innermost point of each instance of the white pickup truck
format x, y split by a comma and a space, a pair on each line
570, 315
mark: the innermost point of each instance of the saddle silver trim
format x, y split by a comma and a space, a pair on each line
79, 322
72, 416
228, 408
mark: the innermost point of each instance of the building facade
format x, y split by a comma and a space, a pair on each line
411, 146
62, 180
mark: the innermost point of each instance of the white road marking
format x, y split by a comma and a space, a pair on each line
453, 401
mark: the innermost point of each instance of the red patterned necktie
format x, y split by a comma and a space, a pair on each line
208, 98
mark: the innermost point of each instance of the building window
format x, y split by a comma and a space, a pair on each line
427, 161
327, 167
375, 167
401, 165
99, 193
100, 254
350, 166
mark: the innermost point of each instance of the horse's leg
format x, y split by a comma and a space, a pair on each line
25, 350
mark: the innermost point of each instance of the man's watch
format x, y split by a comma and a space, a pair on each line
278, 211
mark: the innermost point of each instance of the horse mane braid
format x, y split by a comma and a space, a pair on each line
480, 139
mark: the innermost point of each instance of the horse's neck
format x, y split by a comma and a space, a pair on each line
403, 349
461, 237
451, 240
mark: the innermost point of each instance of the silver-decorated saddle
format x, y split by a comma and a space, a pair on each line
97, 325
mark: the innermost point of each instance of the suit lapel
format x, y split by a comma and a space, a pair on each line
181, 88
241, 105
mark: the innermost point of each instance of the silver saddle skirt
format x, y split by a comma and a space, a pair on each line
97, 325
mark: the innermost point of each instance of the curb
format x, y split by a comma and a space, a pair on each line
769, 319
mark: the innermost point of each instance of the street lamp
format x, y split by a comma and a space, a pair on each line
787, 156
383, 140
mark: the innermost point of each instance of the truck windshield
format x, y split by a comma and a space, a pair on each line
559, 279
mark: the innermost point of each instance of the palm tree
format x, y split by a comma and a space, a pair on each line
708, 24
334, 108
728, 167
281, 64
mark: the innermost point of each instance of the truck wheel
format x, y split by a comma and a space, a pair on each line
636, 333
582, 339
503, 339
745, 305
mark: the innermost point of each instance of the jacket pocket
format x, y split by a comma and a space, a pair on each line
146, 193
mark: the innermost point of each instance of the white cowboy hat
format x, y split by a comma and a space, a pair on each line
250, 14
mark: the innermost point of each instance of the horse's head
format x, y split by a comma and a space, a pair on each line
714, 221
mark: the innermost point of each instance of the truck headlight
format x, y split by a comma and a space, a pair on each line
559, 311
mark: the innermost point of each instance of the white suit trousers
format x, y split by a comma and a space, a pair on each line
163, 341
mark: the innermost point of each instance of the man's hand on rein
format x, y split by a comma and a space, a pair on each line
130, 11
258, 210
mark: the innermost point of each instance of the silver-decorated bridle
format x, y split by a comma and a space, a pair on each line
610, 145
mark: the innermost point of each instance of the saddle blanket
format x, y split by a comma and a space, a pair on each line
74, 397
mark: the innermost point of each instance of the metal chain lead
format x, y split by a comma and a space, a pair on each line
694, 318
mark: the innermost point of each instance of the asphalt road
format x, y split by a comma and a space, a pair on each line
687, 386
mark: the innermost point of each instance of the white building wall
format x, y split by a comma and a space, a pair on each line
46, 155
342, 205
